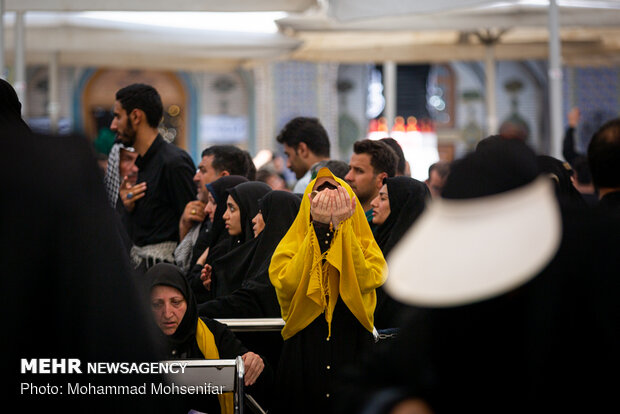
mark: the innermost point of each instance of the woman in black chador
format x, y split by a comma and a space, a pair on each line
400, 202
224, 274
256, 298
183, 335
217, 241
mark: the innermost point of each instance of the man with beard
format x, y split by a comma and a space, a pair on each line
165, 177
306, 146
371, 162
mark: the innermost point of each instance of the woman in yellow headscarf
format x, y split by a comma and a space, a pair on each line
325, 272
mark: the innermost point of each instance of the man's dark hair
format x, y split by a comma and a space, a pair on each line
604, 155
232, 159
143, 97
402, 162
382, 156
582, 170
307, 130
338, 168
442, 168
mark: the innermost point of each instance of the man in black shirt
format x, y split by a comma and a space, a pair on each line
165, 178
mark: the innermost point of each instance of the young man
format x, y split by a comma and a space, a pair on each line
371, 162
164, 184
306, 145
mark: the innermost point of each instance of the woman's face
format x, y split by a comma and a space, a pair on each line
258, 224
210, 207
169, 307
232, 217
380, 206
320, 185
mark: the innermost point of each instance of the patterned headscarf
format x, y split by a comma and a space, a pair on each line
112, 179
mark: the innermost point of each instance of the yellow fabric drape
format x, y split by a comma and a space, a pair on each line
206, 344
306, 287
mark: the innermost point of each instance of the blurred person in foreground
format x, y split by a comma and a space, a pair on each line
604, 160
515, 293
67, 280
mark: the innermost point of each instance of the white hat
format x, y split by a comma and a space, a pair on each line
466, 250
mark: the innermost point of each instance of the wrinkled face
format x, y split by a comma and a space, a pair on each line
211, 206
362, 178
435, 184
294, 162
205, 174
121, 125
258, 224
127, 165
381, 206
168, 306
232, 217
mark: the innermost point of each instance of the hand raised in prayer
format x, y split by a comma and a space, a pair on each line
320, 206
130, 194
205, 276
573, 117
194, 212
253, 367
343, 206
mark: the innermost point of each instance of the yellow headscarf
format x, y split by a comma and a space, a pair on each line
354, 267
206, 344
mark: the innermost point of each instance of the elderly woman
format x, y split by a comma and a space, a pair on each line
325, 271
186, 336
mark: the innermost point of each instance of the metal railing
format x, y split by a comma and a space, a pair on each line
254, 324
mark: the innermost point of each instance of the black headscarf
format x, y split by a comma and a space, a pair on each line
246, 196
498, 165
279, 209
408, 198
257, 297
230, 269
11, 109
560, 174
218, 240
170, 275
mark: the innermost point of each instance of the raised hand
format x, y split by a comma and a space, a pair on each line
205, 276
130, 194
194, 212
573, 117
343, 206
320, 207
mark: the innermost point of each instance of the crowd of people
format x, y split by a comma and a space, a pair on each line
378, 318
